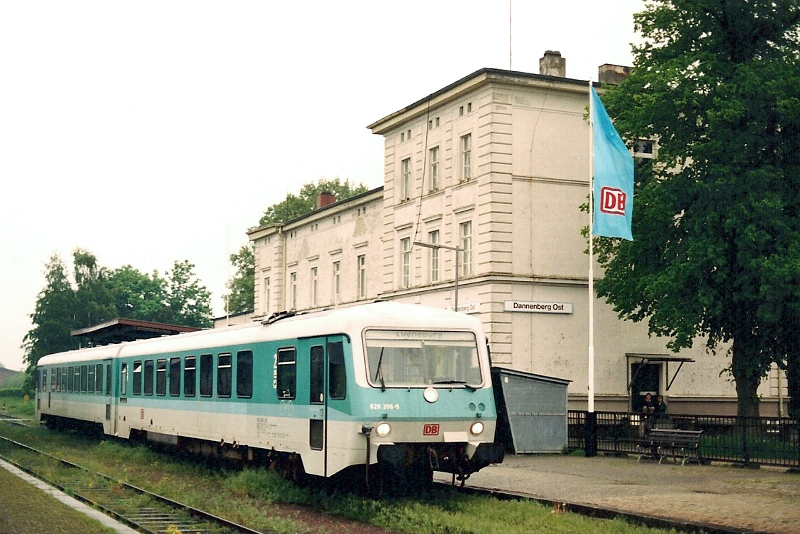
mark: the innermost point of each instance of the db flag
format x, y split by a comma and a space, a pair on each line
613, 177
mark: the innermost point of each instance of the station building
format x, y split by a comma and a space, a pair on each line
480, 209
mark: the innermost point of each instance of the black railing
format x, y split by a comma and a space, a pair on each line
747, 440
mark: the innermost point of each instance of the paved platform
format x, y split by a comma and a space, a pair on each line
733, 498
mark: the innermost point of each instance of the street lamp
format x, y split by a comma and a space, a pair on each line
457, 251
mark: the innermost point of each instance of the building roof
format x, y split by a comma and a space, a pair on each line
121, 329
471, 81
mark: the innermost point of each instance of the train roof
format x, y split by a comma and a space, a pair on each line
349, 320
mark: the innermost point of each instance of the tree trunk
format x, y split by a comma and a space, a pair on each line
793, 379
747, 374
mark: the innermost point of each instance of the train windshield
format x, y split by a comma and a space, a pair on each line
400, 358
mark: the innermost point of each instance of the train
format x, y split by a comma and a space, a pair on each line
389, 391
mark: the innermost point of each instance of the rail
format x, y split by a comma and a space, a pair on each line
770, 441
138, 508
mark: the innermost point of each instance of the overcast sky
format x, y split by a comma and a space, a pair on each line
153, 131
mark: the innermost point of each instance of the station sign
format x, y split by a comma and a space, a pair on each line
537, 307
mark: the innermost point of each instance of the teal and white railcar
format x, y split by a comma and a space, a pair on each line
403, 387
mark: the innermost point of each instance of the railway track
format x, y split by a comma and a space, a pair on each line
140, 509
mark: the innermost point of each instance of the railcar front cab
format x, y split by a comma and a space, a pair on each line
431, 392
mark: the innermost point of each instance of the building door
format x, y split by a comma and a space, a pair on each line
645, 378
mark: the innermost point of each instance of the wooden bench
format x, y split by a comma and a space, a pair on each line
671, 443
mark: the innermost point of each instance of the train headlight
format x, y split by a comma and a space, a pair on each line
476, 428
383, 430
431, 395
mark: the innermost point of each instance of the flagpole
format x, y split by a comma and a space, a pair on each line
591, 250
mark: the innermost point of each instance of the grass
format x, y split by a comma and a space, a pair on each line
18, 407
250, 496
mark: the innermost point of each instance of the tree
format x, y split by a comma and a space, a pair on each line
52, 318
716, 226
188, 302
136, 295
241, 286
92, 299
293, 206
97, 294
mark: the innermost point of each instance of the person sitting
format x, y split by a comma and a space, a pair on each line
648, 406
660, 407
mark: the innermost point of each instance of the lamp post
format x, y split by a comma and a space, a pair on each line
457, 251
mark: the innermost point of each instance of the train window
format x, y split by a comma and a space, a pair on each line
58, 379
286, 373
336, 373
90, 379
53, 380
137, 378
244, 374
77, 384
84, 378
206, 375
419, 357
70, 378
123, 380
174, 376
108, 379
189, 376
224, 375
148, 377
317, 375
161, 377
98, 378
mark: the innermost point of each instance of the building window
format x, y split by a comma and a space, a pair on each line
405, 262
314, 285
362, 276
293, 289
405, 179
337, 271
433, 157
466, 157
433, 239
465, 233
266, 295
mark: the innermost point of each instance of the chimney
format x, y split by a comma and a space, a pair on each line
612, 74
552, 64
325, 198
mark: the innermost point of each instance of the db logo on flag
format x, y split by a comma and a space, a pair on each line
612, 201
430, 430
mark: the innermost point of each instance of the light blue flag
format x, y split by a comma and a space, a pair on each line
613, 177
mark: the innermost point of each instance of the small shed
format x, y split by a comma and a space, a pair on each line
531, 411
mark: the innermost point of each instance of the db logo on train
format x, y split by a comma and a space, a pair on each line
430, 430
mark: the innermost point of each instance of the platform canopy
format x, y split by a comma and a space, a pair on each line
119, 330
658, 358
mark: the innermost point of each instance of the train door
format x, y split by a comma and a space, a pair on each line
110, 424
326, 389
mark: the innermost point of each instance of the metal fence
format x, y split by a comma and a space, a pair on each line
747, 440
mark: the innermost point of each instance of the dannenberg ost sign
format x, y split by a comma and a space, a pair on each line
537, 307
